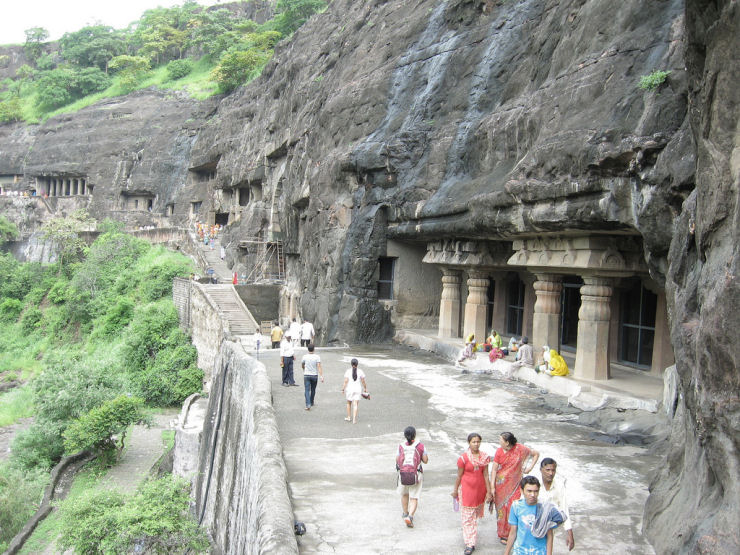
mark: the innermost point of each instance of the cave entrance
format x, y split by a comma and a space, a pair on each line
637, 325
222, 218
570, 304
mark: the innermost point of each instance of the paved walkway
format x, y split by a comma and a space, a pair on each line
342, 479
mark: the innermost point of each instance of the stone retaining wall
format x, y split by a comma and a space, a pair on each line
241, 484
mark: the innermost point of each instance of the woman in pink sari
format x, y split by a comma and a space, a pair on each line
472, 489
508, 469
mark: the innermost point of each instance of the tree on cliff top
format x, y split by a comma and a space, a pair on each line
34, 45
92, 46
294, 13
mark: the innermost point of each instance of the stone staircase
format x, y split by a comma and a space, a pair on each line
212, 259
241, 321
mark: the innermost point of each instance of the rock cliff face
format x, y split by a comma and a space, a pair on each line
694, 505
418, 120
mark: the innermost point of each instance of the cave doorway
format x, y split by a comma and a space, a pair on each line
222, 218
570, 304
514, 304
637, 311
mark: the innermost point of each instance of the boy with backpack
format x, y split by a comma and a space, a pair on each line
409, 457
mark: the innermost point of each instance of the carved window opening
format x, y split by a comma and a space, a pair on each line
169, 210
386, 267
243, 193
570, 304
514, 305
637, 325
195, 207
256, 192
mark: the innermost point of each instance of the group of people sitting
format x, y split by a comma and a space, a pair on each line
551, 362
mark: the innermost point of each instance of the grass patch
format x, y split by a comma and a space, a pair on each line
15, 404
168, 439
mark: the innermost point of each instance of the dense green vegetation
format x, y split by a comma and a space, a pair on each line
202, 51
153, 520
95, 339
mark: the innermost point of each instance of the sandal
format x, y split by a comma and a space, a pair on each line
468, 550
503, 541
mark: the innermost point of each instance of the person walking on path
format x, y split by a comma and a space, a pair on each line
530, 522
472, 489
311, 365
307, 333
295, 332
287, 354
353, 388
508, 468
554, 490
276, 334
408, 462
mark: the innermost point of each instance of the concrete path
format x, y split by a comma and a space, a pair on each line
144, 447
342, 478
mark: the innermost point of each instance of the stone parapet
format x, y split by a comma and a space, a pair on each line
241, 494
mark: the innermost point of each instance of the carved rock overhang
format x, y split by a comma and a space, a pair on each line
585, 255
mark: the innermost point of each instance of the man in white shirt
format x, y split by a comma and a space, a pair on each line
287, 353
311, 365
307, 333
553, 490
295, 332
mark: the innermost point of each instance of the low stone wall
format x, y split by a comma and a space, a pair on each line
241, 484
208, 328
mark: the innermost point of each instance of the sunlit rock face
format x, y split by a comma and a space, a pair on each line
694, 506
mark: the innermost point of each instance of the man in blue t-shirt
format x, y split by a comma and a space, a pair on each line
521, 518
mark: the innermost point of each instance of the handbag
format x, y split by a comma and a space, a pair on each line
366, 396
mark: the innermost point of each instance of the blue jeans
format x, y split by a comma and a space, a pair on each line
288, 371
309, 386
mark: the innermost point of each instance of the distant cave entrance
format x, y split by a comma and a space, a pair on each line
222, 218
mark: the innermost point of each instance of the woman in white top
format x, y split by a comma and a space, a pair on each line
353, 387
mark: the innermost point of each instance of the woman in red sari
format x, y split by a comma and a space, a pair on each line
472, 489
508, 469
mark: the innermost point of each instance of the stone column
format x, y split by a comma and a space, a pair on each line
475, 305
449, 305
499, 303
546, 317
529, 300
662, 349
592, 355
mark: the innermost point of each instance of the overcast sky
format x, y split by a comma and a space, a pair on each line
60, 16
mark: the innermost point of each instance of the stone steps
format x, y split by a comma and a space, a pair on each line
240, 320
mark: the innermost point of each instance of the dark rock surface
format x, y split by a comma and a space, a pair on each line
471, 119
694, 506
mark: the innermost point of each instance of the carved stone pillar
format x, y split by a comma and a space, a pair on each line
546, 317
592, 355
449, 306
475, 306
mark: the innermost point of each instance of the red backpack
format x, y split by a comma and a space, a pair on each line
408, 462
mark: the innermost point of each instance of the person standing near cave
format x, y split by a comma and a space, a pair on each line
311, 365
287, 354
307, 333
276, 334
